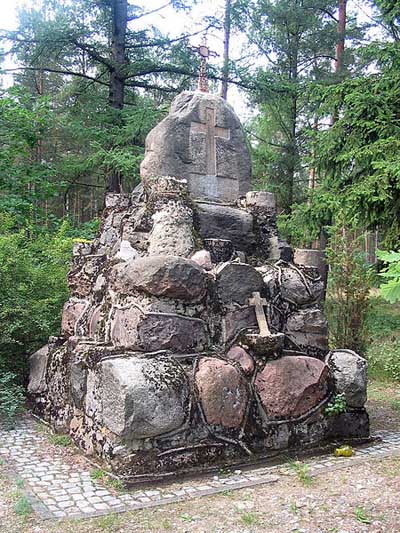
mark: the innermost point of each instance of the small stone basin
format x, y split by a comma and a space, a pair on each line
263, 345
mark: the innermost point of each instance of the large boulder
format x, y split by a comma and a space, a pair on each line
172, 232
223, 392
143, 398
72, 311
296, 288
160, 275
291, 386
37, 370
203, 259
312, 258
239, 354
261, 199
350, 372
157, 331
349, 425
202, 141
237, 321
236, 282
215, 221
84, 272
307, 329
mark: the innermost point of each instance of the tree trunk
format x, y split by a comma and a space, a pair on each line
119, 12
292, 151
293, 42
341, 29
227, 35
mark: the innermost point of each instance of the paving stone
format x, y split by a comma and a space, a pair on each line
116, 503
74, 490
88, 510
101, 506
58, 492
65, 505
102, 493
74, 494
94, 499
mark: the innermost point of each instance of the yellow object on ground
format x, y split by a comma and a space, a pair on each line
344, 451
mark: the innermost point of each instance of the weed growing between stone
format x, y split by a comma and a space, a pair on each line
249, 519
337, 405
108, 481
361, 516
302, 471
22, 506
60, 440
186, 517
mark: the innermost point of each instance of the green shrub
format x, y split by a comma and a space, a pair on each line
34, 263
11, 399
349, 284
390, 290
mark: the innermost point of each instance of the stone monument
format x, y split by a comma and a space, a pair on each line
190, 338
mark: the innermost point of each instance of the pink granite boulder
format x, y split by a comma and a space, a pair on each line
223, 392
239, 354
72, 310
291, 386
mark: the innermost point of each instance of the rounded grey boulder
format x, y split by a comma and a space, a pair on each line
202, 141
350, 374
143, 397
236, 282
161, 275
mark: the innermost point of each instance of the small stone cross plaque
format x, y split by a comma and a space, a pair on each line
211, 132
259, 303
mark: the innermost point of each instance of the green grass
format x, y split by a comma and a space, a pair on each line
395, 404
383, 319
110, 523
60, 440
302, 471
249, 519
97, 473
361, 516
383, 352
22, 506
108, 481
19, 482
186, 517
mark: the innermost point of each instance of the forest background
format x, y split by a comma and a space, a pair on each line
321, 83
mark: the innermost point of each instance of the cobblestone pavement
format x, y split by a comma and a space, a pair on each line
58, 488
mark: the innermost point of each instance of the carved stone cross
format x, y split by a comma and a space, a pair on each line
212, 132
259, 303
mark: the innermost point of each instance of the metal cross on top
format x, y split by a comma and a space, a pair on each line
204, 53
259, 303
